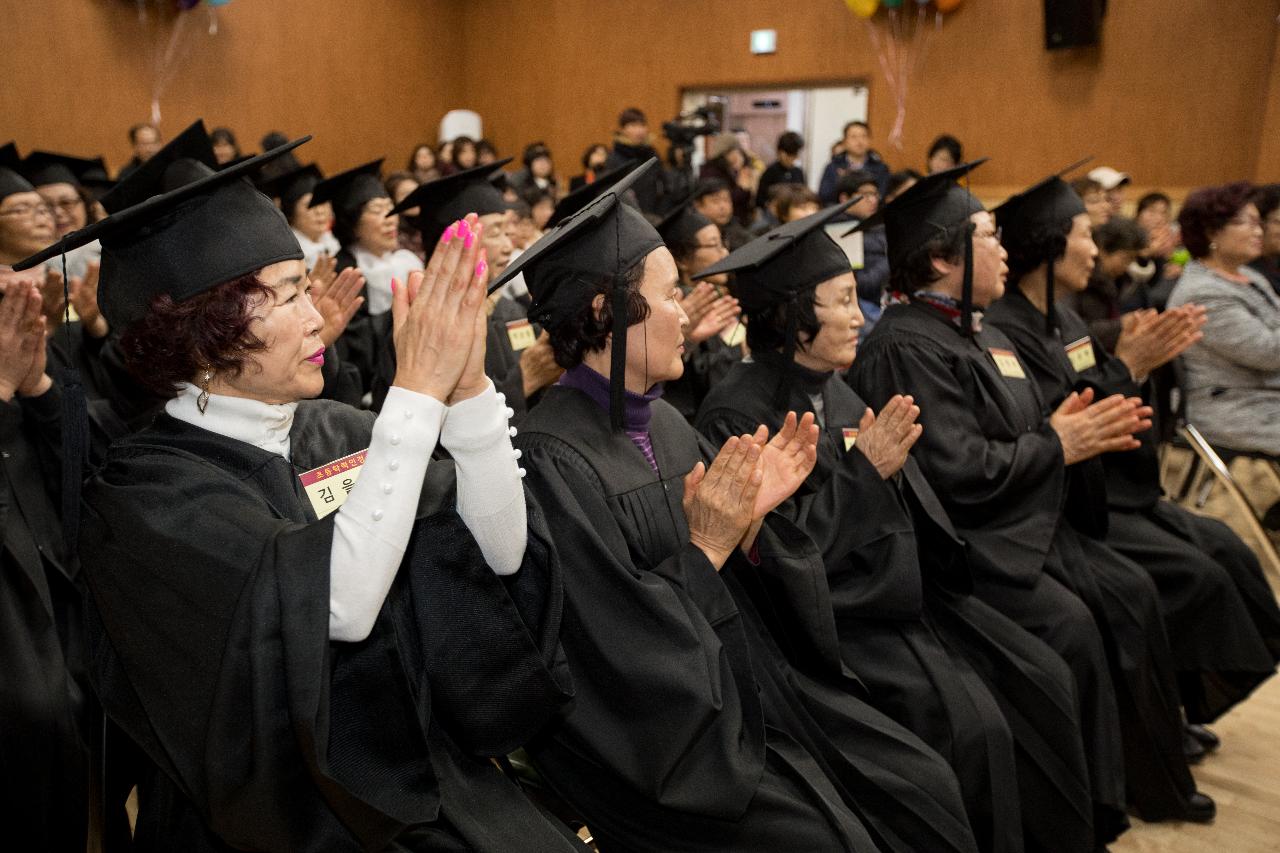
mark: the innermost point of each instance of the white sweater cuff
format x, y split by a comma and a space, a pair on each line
372, 529
490, 495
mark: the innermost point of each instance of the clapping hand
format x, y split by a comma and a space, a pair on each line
887, 439
719, 502
438, 319
22, 345
337, 298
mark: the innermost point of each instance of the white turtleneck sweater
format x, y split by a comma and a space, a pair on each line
313, 249
372, 529
378, 271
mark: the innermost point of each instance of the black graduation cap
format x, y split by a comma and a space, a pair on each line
584, 195
602, 241
783, 265
349, 191
932, 207
682, 223
1051, 203
42, 168
9, 158
11, 182
445, 200
178, 163
292, 185
95, 178
181, 241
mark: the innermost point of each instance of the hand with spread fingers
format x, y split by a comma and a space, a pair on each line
337, 298
1087, 429
1149, 340
437, 315
786, 460
720, 315
719, 502
697, 302
886, 439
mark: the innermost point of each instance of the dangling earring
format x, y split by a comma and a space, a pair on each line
202, 402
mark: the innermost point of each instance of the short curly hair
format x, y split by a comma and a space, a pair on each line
588, 331
1207, 210
174, 341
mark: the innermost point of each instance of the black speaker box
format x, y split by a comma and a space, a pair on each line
1072, 23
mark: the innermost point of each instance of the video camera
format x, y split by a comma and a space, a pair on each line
687, 127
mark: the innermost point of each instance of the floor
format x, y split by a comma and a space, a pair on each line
1244, 776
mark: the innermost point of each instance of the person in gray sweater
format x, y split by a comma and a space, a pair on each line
1233, 375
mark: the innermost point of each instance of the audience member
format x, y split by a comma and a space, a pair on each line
855, 153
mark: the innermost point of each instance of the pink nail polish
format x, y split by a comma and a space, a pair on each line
464, 230
394, 285
447, 235
467, 243
480, 269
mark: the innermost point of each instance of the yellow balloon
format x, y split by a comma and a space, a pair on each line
948, 5
863, 8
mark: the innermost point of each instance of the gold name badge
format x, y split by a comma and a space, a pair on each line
850, 437
1007, 363
330, 485
521, 335
1081, 355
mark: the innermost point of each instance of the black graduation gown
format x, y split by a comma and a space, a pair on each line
997, 468
1119, 594
1221, 616
689, 730
209, 638
44, 783
934, 658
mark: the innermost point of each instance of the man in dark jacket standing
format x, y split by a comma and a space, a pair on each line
857, 154
631, 146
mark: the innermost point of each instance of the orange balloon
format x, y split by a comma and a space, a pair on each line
863, 8
948, 5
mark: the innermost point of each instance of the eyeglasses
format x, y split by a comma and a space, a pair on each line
380, 210
28, 211
66, 205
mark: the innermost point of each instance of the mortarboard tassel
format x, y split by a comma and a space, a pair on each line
1050, 313
75, 430
618, 354
966, 284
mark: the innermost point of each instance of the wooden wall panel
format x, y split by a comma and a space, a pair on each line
1178, 94
1175, 93
366, 78
1268, 169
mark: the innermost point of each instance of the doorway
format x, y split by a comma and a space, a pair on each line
760, 115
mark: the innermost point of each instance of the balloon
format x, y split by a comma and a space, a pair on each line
923, 2
217, 2
891, 4
862, 8
948, 5
184, 5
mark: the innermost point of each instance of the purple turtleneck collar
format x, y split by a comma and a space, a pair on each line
637, 407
